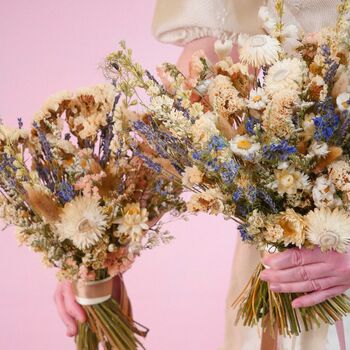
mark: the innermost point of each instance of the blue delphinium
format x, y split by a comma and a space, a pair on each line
244, 233
212, 165
237, 195
217, 143
327, 122
332, 66
265, 197
159, 188
149, 162
65, 192
229, 171
252, 194
250, 124
43, 142
20, 123
197, 155
278, 151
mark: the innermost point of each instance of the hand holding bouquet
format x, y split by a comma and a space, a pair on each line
271, 150
81, 197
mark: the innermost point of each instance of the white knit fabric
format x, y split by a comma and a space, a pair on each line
181, 21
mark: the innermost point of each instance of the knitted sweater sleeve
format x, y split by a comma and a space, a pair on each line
181, 21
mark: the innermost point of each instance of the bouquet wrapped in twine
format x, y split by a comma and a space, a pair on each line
80, 195
264, 142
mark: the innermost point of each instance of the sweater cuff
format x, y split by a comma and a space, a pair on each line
185, 35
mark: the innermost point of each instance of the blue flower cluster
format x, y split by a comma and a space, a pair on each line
264, 196
20, 123
229, 171
44, 143
332, 65
244, 233
217, 143
278, 151
250, 124
237, 195
327, 122
177, 105
65, 192
149, 162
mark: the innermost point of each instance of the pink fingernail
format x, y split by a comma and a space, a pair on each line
296, 304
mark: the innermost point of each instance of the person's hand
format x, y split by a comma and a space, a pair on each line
207, 45
321, 275
69, 310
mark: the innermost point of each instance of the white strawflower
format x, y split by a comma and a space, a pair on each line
133, 222
343, 101
328, 229
289, 181
82, 221
285, 75
324, 193
257, 99
244, 145
258, 50
318, 149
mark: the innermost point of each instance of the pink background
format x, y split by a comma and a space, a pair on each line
177, 290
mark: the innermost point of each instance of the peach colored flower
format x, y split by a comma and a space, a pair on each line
165, 78
85, 274
119, 261
195, 69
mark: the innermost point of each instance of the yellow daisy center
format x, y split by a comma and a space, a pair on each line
345, 104
257, 98
132, 211
244, 144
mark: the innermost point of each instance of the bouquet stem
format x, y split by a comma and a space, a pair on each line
106, 324
258, 305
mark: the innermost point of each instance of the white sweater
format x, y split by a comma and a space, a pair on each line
181, 21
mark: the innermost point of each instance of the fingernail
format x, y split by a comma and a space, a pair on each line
296, 304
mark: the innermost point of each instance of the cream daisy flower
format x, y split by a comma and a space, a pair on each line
257, 99
258, 50
82, 221
244, 145
204, 128
273, 233
285, 75
318, 149
192, 176
339, 174
328, 229
343, 101
289, 181
293, 228
324, 193
133, 222
208, 201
